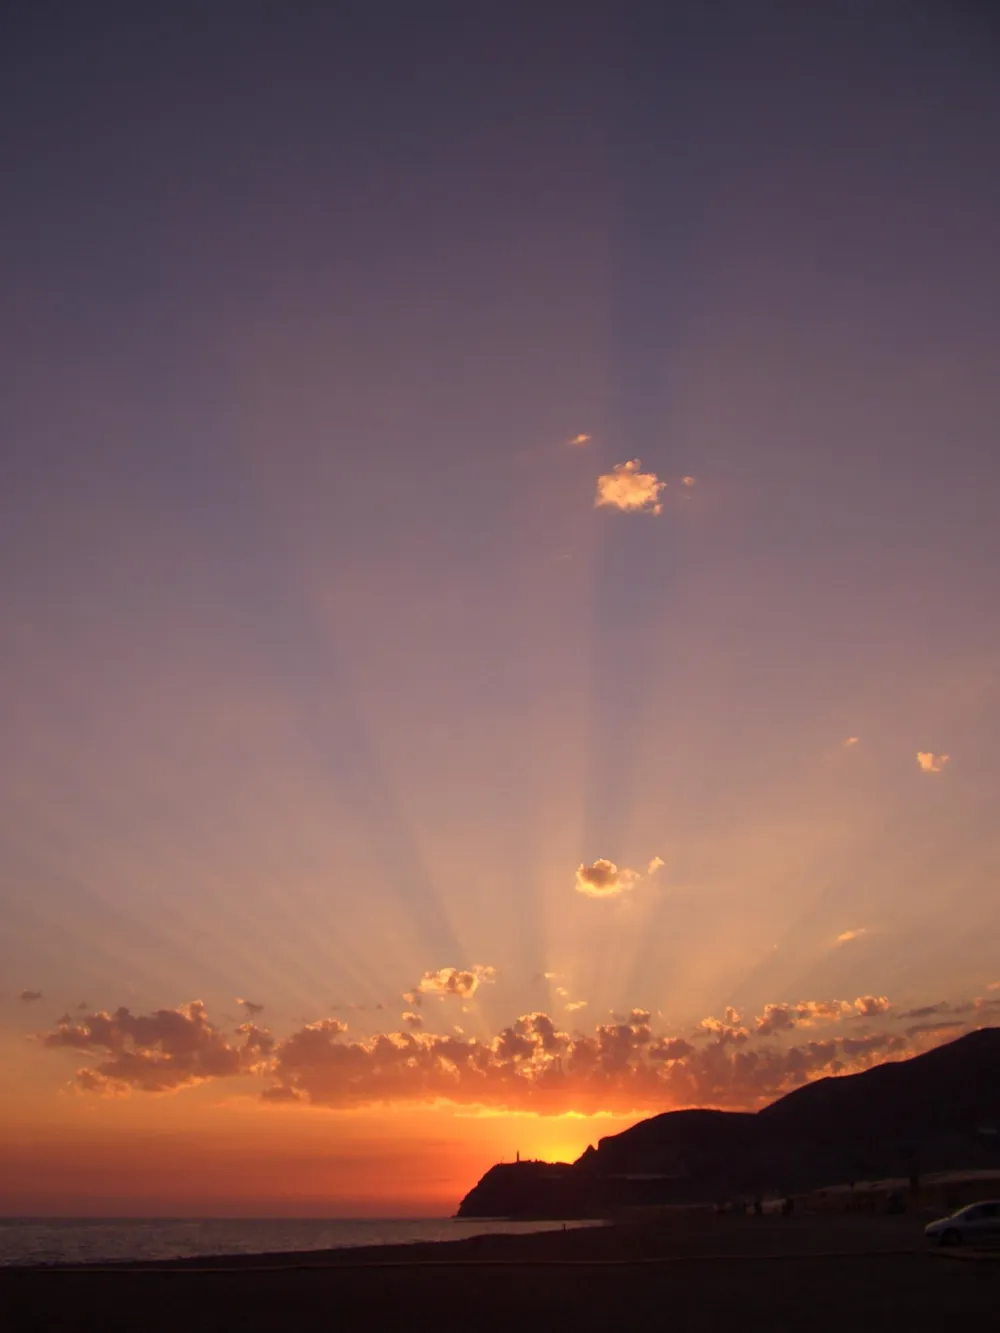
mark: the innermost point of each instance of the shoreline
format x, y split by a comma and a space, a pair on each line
668, 1238
819, 1274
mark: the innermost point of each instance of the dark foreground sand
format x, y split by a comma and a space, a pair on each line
693, 1273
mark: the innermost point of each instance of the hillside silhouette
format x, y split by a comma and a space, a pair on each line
935, 1112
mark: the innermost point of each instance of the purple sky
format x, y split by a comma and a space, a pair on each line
320, 669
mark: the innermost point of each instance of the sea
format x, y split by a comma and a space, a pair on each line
35, 1241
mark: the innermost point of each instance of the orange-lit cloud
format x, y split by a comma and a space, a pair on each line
461, 982
687, 481
29, 995
412, 1020
846, 936
625, 487
580, 439
574, 1005
932, 763
781, 1017
532, 1064
726, 1029
251, 1006
603, 879
851, 740
170, 1048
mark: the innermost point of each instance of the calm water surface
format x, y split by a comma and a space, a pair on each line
62, 1240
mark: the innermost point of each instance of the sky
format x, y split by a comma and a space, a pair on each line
499, 576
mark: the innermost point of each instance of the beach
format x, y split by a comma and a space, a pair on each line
692, 1271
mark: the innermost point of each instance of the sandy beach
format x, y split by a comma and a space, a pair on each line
694, 1272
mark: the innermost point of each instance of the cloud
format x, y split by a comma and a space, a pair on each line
170, 1048
250, 1006
932, 763
531, 1064
574, 1005
782, 1017
603, 879
870, 1005
580, 439
625, 487
656, 864
413, 1020
726, 1029
29, 995
687, 481
924, 1010
462, 982
846, 936
951, 1027
851, 740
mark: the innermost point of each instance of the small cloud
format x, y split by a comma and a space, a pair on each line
250, 1006
462, 982
931, 763
687, 481
561, 990
936, 1028
83, 1005
580, 439
926, 1010
846, 936
29, 995
728, 1030
603, 879
851, 740
281, 1093
870, 1005
656, 864
413, 1020
574, 1005
625, 487
781, 1017
994, 985
550, 976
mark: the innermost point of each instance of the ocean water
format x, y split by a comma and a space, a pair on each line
73, 1240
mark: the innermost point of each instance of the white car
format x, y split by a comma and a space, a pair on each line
977, 1221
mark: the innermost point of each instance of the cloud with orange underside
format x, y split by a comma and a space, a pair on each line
451, 981
158, 1052
846, 936
532, 1064
627, 488
603, 879
932, 763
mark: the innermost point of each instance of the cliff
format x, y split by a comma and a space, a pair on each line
936, 1112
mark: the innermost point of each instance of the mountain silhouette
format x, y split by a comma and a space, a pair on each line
935, 1112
